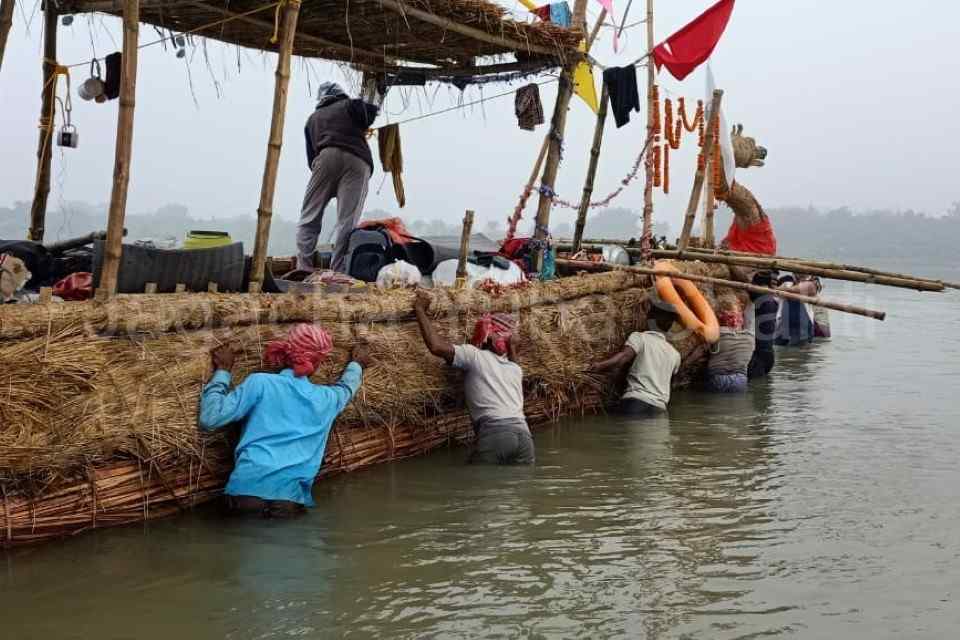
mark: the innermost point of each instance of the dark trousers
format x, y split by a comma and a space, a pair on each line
761, 363
254, 506
503, 444
639, 408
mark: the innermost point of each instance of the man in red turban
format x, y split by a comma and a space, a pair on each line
493, 385
286, 417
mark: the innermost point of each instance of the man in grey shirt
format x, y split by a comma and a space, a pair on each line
492, 385
652, 362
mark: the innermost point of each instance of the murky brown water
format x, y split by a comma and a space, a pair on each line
823, 504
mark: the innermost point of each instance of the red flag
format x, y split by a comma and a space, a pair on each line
688, 48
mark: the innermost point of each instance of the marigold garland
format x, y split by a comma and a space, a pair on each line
666, 166
671, 132
697, 118
655, 109
657, 176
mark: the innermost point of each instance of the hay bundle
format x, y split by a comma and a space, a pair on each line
83, 408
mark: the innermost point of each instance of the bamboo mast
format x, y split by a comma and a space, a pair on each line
591, 169
595, 148
113, 247
648, 165
38, 209
6, 21
698, 181
709, 206
732, 284
558, 123
291, 10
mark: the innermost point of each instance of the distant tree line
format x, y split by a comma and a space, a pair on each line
809, 232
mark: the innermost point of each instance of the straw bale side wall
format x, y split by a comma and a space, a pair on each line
98, 423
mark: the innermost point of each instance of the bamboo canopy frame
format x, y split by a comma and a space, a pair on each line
700, 177
41, 190
113, 250
291, 10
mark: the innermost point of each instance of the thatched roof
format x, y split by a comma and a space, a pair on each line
452, 35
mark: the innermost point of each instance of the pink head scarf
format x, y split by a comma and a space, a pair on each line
497, 328
304, 348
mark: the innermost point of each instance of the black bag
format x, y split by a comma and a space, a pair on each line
371, 248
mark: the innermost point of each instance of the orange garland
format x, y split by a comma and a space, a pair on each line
666, 166
655, 109
697, 118
657, 176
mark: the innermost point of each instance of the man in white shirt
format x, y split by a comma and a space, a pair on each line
493, 385
652, 362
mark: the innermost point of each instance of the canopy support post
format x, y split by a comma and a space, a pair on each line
41, 189
698, 181
709, 206
647, 231
558, 123
291, 10
591, 170
113, 249
6, 21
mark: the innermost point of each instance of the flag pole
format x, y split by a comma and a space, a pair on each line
648, 188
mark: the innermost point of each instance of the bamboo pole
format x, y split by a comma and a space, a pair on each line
597, 141
38, 209
798, 267
291, 10
732, 284
477, 34
6, 21
648, 164
591, 169
461, 280
558, 124
698, 180
709, 206
694, 253
113, 247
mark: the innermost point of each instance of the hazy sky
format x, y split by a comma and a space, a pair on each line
855, 100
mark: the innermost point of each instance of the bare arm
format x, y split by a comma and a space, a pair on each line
615, 362
437, 345
511, 350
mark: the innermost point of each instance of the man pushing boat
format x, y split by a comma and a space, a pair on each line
287, 420
492, 385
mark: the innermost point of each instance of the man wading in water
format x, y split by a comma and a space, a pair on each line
652, 362
492, 385
340, 159
287, 420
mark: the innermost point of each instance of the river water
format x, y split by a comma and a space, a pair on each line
822, 504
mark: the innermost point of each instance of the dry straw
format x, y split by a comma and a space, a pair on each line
98, 419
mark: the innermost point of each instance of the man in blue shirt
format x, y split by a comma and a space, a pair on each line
287, 420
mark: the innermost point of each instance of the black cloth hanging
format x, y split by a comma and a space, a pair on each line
622, 86
111, 84
527, 107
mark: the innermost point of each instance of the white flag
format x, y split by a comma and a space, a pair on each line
726, 144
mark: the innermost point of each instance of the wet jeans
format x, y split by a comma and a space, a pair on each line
503, 442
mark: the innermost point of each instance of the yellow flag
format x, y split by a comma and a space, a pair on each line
583, 84
529, 5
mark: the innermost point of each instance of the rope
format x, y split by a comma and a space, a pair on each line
276, 22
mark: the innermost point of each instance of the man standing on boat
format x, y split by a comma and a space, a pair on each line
492, 385
287, 420
652, 363
341, 163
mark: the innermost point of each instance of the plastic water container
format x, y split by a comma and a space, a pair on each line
206, 239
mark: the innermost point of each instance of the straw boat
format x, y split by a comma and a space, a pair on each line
98, 422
